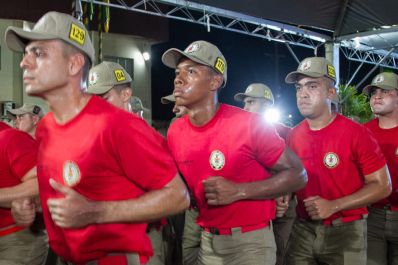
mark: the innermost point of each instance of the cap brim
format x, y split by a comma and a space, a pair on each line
17, 112
240, 96
172, 56
11, 115
167, 99
292, 77
17, 38
99, 90
366, 89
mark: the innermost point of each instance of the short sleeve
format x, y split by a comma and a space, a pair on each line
268, 146
144, 155
367, 151
21, 153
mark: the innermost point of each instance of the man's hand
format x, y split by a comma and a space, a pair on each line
282, 204
72, 211
23, 211
220, 191
319, 208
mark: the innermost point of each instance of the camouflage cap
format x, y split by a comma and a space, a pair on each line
256, 90
384, 80
136, 104
51, 26
202, 52
26, 108
168, 99
312, 67
104, 76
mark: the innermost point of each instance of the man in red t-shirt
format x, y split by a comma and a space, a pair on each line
111, 81
346, 172
100, 182
383, 215
26, 118
258, 98
18, 154
226, 156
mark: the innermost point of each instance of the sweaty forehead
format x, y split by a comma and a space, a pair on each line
39, 44
185, 62
302, 79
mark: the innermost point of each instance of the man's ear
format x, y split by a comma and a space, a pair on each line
35, 119
126, 94
331, 92
216, 82
76, 63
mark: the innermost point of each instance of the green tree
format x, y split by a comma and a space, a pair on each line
354, 105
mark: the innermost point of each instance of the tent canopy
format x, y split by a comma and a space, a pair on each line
341, 18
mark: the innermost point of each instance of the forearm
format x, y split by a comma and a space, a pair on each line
370, 193
153, 205
281, 183
27, 189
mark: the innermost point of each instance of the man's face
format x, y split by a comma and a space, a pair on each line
192, 83
179, 110
45, 67
313, 96
25, 122
256, 105
383, 101
115, 98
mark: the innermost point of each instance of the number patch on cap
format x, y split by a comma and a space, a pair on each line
77, 34
220, 65
331, 71
120, 75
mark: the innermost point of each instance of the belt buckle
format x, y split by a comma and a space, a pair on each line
214, 231
387, 207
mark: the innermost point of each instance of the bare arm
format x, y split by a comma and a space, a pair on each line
288, 176
377, 186
76, 211
27, 189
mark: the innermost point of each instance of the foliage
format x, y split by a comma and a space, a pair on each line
353, 104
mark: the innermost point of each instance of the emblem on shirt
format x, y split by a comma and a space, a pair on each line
217, 160
71, 173
331, 160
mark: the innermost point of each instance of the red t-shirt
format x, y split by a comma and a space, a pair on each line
18, 154
105, 154
235, 144
282, 130
336, 158
388, 141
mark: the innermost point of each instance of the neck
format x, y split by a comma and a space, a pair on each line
321, 122
388, 121
32, 133
66, 103
201, 114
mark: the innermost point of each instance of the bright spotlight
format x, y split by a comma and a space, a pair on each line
272, 115
146, 56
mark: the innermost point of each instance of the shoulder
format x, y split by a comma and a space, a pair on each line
372, 124
345, 124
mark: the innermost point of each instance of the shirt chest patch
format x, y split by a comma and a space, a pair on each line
331, 160
71, 173
217, 160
